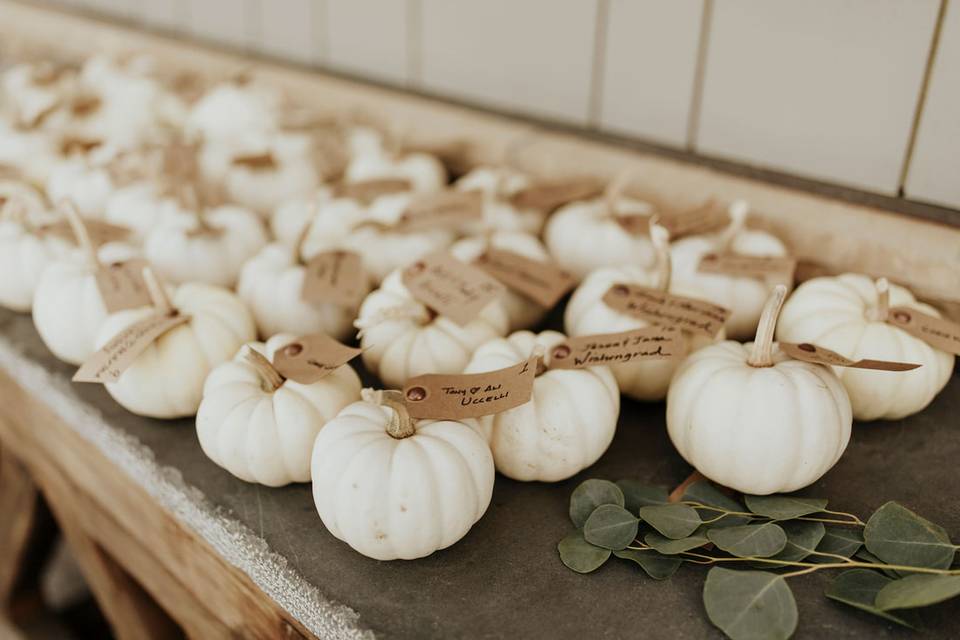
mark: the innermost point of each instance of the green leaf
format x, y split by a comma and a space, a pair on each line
838, 541
670, 547
580, 555
802, 538
636, 494
859, 588
866, 556
784, 507
590, 495
675, 521
918, 590
750, 540
655, 565
704, 492
610, 527
750, 605
899, 536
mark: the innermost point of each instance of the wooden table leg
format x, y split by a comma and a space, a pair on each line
19, 506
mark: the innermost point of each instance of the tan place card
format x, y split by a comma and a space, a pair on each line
336, 277
553, 194
312, 357
772, 268
121, 285
366, 191
452, 288
441, 210
470, 395
100, 232
109, 363
937, 332
819, 355
661, 308
543, 282
648, 343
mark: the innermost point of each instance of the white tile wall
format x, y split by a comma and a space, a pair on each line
649, 64
368, 38
534, 56
287, 29
824, 88
161, 14
222, 21
935, 167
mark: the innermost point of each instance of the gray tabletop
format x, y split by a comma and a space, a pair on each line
505, 579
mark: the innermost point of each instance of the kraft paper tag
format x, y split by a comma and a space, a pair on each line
121, 285
452, 288
109, 363
938, 333
543, 282
661, 308
312, 357
366, 191
819, 355
552, 194
706, 218
773, 268
648, 343
100, 232
445, 209
470, 395
256, 161
336, 277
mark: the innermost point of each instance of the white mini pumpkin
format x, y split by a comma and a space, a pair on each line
402, 338
424, 171
568, 423
743, 296
522, 311
259, 426
33, 153
498, 185
846, 314
750, 418
271, 283
394, 488
231, 111
166, 379
208, 246
587, 314
584, 236
290, 218
89, 187
141, 207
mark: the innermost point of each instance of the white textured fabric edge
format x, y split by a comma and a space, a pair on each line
233, 540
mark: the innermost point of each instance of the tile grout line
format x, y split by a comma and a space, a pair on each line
699, 75
595, 104
922, 98
319, 30
414, 67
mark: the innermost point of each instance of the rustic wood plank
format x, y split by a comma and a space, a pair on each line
19, 505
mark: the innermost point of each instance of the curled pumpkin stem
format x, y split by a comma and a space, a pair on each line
401, 424
761, 354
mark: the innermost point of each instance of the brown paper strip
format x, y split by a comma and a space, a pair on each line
819, 355
107, 364
552, 194
707, 218
257, 161
336, 277
649, 343
441, 210
937, 332
100, 232
452, 288
773, 268
312, 357
366, 191
470, 395
543, 282
122, 287
658, 307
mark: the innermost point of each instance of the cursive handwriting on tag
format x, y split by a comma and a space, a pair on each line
121, 285
648, 343
658, 307
543, 282
336, 277
115, 357
441, 210
937, 332
772, 268
312, 357
819, 355
452, 288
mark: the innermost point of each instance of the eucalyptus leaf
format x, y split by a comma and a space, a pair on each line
839, 541
670, 547
859, 588
866, 556
802, 538
590, 495
899, 536
704, 492
675, 521
580, 555
636, 494
654, 565
750, 540
918, 590
611, 527
779, 507
750, 605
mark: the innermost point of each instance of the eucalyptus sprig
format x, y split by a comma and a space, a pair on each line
895, 560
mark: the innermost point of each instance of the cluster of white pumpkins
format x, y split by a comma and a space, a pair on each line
81, 145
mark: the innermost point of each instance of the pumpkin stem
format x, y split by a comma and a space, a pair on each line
616, 187
270, 378
196, 205
761, 354
158, 294
80, 232
538, 352
661, 245
883, 299
677, 494
738, 217
401, 424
